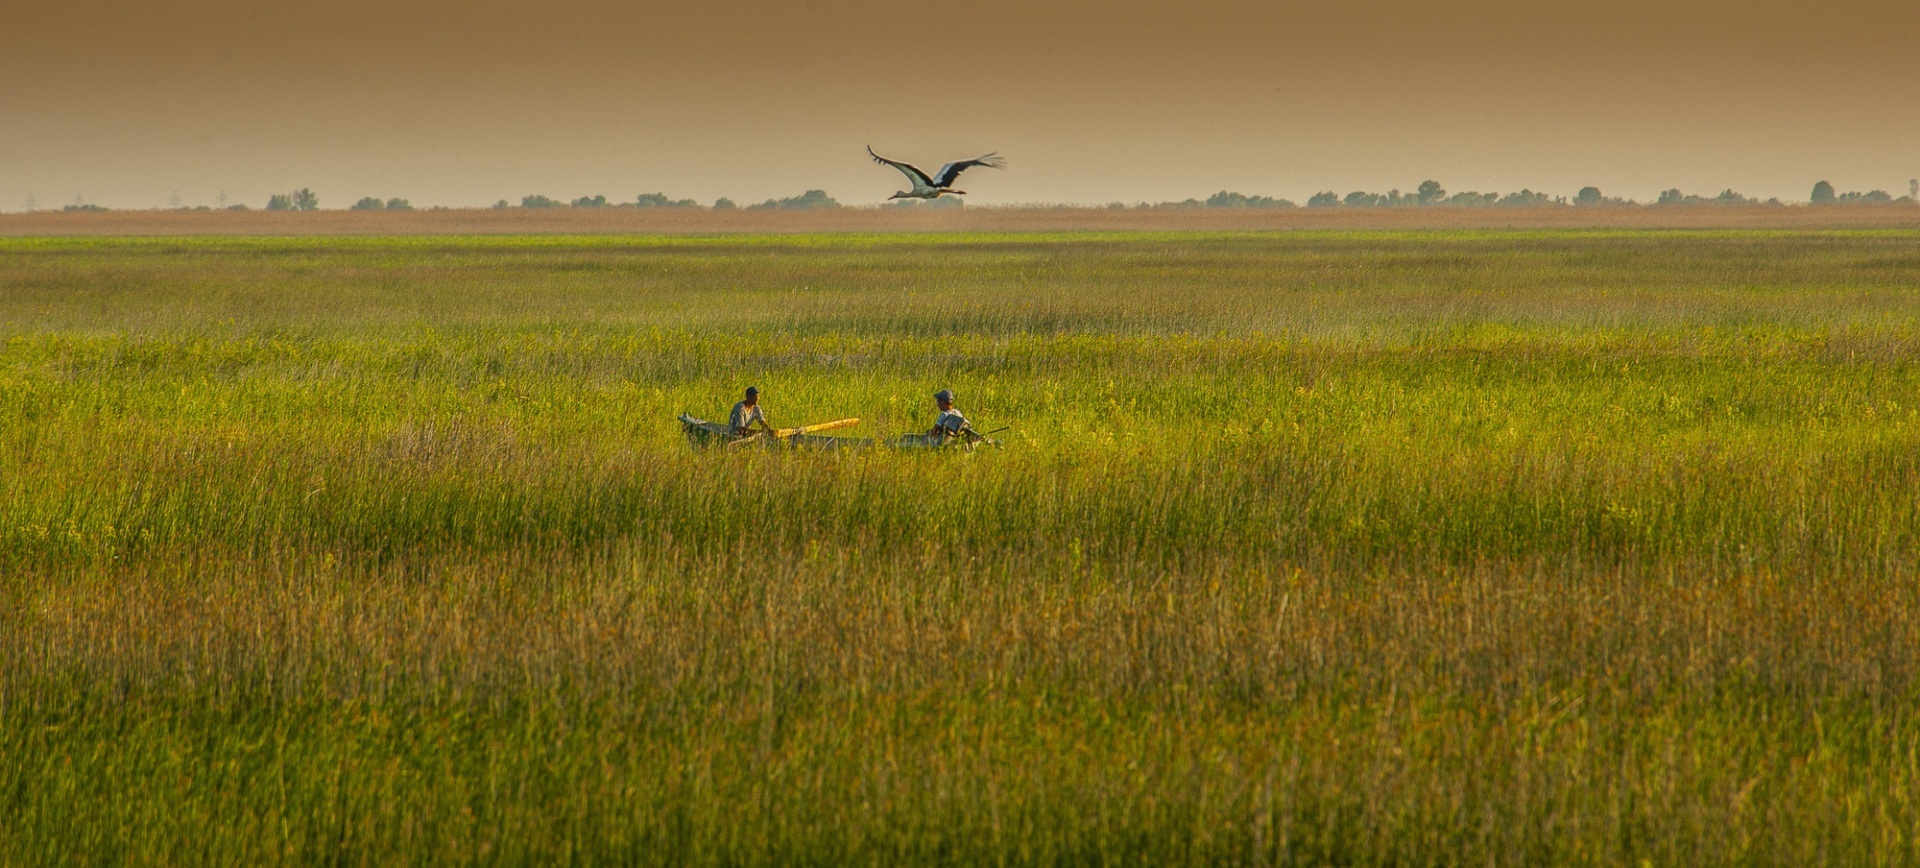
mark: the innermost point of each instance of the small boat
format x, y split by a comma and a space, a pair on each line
966, 440
705, 435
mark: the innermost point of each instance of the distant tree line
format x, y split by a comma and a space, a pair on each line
373, 203
809, 199
1429, 194
1726, 197
644, 200
812, 199
1823, 195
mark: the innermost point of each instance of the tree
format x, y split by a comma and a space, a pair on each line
1328, 199
1822, 193
1430, 192
1588, 196
399, 205
1913, 189
538, 201
280, 202
590, 202
724, 204
304, 200
369, 203
1672, 196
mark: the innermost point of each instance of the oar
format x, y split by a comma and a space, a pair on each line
971, 436
821, 426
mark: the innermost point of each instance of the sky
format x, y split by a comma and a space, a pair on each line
125, 103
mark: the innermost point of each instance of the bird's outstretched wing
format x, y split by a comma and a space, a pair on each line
951, 171
912, 171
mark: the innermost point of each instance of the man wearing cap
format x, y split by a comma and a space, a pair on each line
950, 422
747, 413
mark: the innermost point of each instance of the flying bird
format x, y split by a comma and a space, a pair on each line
932, 186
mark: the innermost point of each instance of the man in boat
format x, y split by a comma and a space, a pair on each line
747, 413
950, 422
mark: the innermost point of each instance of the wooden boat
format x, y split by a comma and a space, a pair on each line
966, 440
705, 435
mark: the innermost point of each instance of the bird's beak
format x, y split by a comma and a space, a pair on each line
896, 195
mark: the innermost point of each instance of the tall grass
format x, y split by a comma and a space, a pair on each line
1388, 548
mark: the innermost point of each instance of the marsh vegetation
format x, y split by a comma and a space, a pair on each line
1514, 547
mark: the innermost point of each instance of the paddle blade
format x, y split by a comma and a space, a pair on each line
823, 426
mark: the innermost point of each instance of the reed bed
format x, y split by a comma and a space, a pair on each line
1383, 548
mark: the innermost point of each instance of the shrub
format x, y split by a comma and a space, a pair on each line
540, 202
368, 203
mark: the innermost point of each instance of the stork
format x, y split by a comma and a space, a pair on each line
932, 186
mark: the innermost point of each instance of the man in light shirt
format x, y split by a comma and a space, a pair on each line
747, 413
950, 422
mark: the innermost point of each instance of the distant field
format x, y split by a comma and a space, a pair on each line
972, 219
1508, 547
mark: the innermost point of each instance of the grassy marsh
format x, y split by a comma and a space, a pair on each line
1510, 547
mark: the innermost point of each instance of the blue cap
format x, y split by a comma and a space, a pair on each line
943, 395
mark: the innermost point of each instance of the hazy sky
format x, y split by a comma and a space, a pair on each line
124, 102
